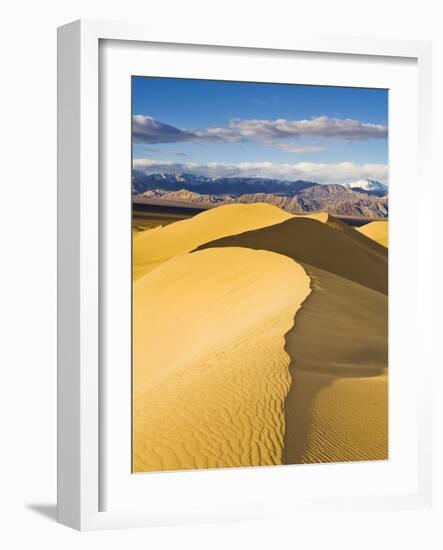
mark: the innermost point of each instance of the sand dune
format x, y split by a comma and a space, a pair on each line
210, 370
344, 252
377, 231
336, 408
223, 376
152, 247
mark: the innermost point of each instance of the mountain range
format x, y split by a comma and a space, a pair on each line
364, 198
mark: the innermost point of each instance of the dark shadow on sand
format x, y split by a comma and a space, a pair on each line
341, 329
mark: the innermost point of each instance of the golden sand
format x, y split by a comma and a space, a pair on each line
336, 409
343, 252
152, 247
210, 370
377, 231
223, 376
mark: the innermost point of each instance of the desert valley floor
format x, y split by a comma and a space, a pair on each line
259, 338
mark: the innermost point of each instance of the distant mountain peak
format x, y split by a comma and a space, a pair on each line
365, 198
371, 186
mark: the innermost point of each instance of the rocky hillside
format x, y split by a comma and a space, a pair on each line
296, 197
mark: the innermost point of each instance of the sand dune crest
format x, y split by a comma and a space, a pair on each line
336, 408
210, 369
223, 376
152, 247
345, 253
377, 231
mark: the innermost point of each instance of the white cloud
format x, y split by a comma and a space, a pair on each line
323, 126
148, 130
164, 151
292, 148
343, 172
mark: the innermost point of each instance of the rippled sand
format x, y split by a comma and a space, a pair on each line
259, 338
210, 370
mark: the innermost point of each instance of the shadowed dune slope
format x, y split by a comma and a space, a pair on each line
377, 231
336, 409
221, 374
354, 233
210, 372
344, 252
152, 247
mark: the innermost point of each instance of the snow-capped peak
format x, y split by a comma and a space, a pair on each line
369, 185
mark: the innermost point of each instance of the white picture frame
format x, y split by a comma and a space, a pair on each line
79, 259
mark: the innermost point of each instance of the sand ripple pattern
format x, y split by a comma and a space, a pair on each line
337, 407
210, 381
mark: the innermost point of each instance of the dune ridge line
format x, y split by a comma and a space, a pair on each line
153, 247
330, 360
337, 407
377, 231
210, 382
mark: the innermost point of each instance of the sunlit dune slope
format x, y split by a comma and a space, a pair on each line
210, 373
213, 384
343, 252
377, 231
152, 247
336, 408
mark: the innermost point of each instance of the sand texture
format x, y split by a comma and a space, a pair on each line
337, 406
152, 247
342, 251
210, 370
377, 231
336, 409
264, 346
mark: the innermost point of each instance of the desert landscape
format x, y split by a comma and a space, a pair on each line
260, 338
259, 274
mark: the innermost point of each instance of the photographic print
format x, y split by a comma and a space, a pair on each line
260, 274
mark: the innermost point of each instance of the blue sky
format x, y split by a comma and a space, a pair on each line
215, 128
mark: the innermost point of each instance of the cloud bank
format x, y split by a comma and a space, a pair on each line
145, 129
343, 172
292, 148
